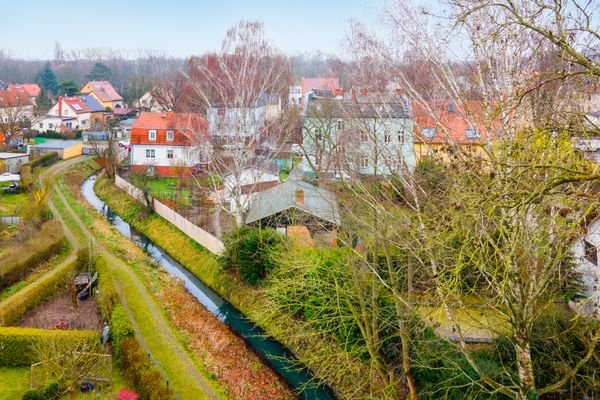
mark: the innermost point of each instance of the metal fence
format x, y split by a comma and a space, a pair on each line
87, 367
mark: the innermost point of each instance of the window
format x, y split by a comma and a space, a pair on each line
363, 161
591, 252
152, 135
472, 133
387, 137
66, 112
41, 125
150, 153
77, 107
5, 120
364, 137
170, 135
401, 137
428, 132
69, 125
340, 125
170, 154
50, 126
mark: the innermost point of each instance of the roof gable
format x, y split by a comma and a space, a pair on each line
103, 90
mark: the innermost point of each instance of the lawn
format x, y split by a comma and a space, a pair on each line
10, 203
162, 188
13, 382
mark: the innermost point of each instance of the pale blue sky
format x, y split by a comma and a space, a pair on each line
178, 27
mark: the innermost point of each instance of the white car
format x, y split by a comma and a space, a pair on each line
124, 143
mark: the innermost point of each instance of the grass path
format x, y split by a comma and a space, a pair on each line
151, 327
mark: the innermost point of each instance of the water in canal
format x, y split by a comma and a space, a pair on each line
272, 351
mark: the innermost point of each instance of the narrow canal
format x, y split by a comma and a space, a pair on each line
271, 350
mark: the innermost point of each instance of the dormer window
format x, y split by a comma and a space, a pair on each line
152, 135
428, 132
170, 136
472, 133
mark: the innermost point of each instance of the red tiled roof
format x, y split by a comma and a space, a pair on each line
309, 84
31, 89
104, 90
78, 106
13, 98
450, 120
190, 129
121, 111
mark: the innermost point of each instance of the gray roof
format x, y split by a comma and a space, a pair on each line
57, 144
92, 103
4, 156
373, 106
317, 201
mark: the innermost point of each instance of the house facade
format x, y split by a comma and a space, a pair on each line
444, 127
31, 90
231, 122
104, 93
364, 134
77, 112
169, 144
15, 107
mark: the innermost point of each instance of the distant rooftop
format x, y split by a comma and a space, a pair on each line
5, 156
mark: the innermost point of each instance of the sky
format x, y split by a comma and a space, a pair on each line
178, 27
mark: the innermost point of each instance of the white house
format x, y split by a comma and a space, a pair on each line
241, 187
77, 112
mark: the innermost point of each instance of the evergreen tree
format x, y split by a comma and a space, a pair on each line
99, 72
67, 88
43, 102
47, 79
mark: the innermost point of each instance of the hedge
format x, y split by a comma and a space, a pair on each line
45, 160
17, 345
17, 261
107, 293
120, 328
14, 307
26, 177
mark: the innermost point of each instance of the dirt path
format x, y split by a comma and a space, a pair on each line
161, 331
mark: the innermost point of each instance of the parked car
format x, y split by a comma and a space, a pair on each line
124, 143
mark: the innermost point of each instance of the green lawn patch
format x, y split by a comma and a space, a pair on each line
14, 382
10, 204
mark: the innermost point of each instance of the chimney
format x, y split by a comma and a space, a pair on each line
299, 196
60, 99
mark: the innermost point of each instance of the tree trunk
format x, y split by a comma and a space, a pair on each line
525, 368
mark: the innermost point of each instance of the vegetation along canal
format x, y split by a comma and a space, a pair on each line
275, 354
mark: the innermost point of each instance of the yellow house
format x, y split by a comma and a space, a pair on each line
444, 130
104, 92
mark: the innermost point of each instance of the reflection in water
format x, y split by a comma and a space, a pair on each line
279, 357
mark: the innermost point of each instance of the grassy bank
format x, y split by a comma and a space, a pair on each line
250, 300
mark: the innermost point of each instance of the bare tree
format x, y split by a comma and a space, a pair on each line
16, 113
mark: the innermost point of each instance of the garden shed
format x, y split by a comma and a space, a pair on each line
11, 162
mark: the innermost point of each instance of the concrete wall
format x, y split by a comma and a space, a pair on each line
205, 239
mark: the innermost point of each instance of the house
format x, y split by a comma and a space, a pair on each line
149, 103
65, 148
15, 107
443, 127
123, 130
296, 203
366, 134
239, 189
309, 84
233, 122
295, 96
77, 112
11, 162
165, 143
105, 93
31, 90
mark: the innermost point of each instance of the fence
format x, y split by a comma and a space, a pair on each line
87, 367
205, 239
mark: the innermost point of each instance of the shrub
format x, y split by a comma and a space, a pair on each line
136, 367
26, 177
14, 307
252, 252
107, 293
51, 391
30, 394
45, 160
17, 344
120, 328
18, 260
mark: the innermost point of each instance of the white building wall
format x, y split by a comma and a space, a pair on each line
182, 155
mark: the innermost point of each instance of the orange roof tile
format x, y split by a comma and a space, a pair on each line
309, 84
13, 98
189, 129
451, 120
31, 89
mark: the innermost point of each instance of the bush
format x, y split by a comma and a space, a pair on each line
14, 307
107, 293
18, 260
51, 391
26, 177
17, 344
45, 160
120, 328
30, 394
136, 368
252, 252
